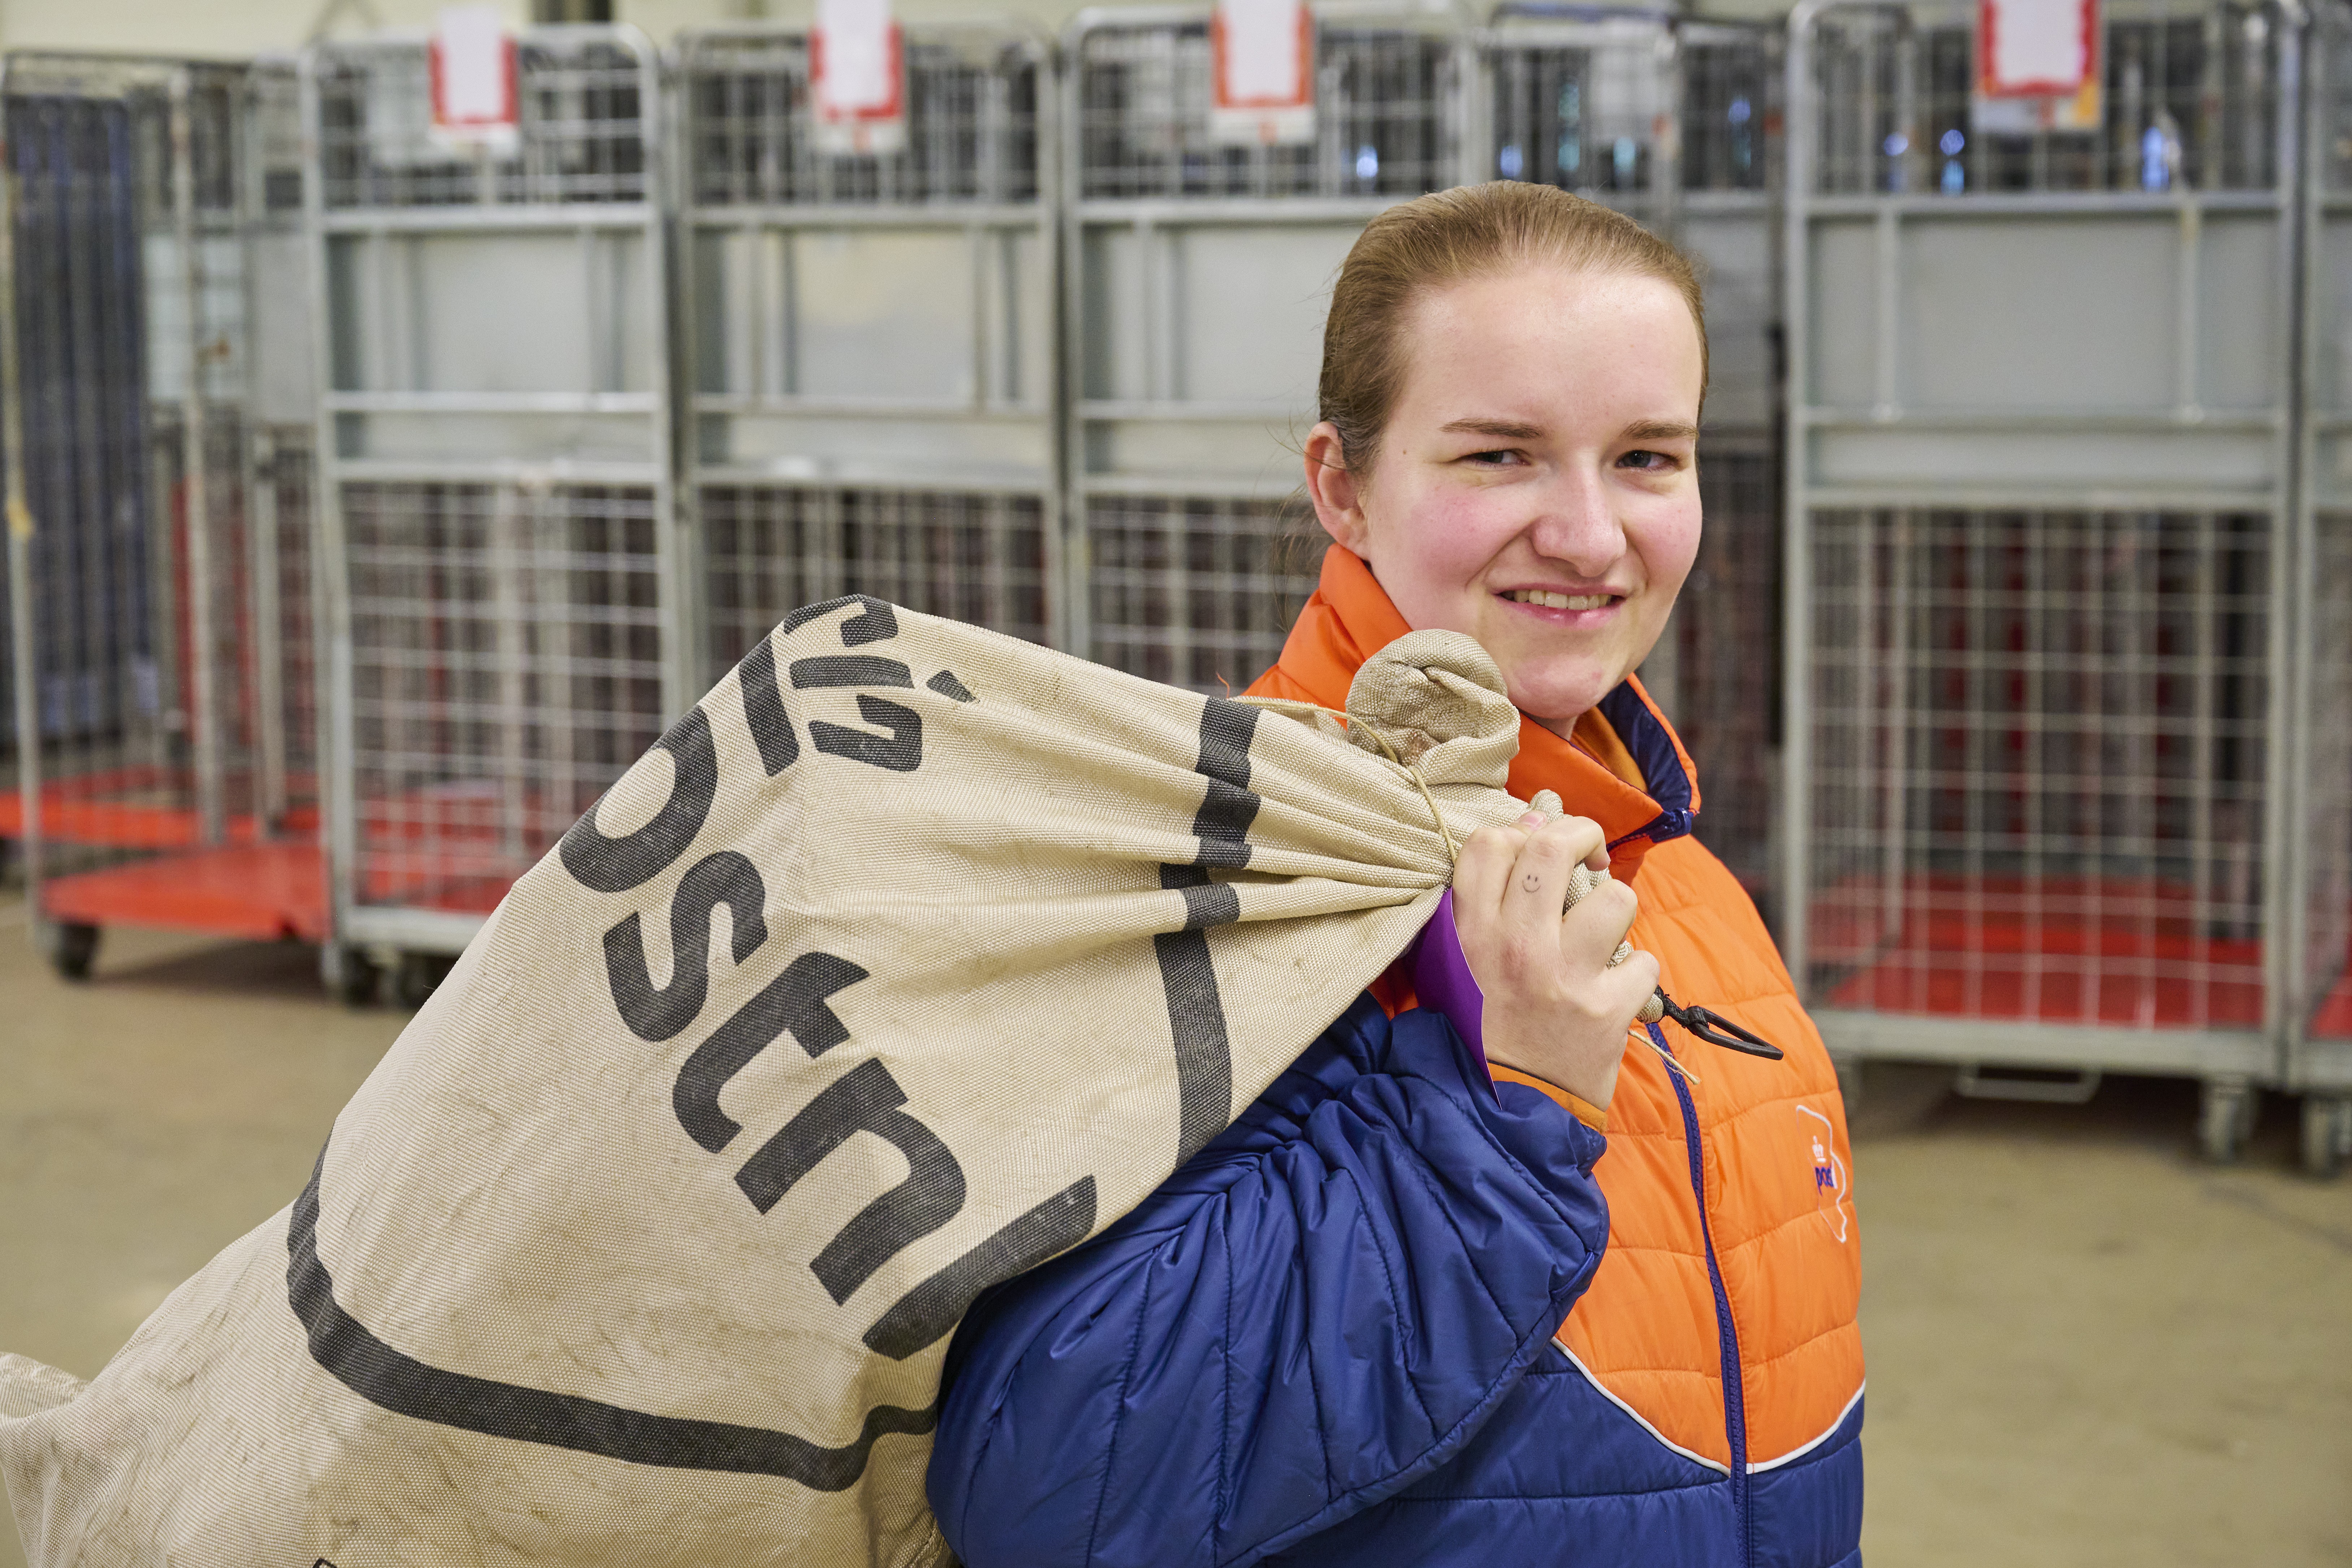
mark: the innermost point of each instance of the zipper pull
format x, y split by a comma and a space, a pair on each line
1718, 1030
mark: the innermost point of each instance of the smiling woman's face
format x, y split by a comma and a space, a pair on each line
1537, 485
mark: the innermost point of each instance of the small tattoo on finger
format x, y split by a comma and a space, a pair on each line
1531, 883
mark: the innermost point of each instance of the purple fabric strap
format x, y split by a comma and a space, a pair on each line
1442, 979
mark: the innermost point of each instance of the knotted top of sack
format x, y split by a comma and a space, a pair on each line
1441, 701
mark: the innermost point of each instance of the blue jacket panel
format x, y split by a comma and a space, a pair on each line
1808, 1511
1560, 1475
1329, 1340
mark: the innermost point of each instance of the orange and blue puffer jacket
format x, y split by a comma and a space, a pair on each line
1405, 1311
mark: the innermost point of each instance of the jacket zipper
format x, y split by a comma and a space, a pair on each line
1735, 1412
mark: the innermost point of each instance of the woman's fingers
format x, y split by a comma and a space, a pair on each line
1591, 933
1520, 867
1554, 1007
1631, 982
1483, 868
1509, 887
1543, 876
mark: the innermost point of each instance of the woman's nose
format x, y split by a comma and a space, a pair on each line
1577, 527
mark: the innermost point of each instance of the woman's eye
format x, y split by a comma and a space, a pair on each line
1656, 462
1496, 459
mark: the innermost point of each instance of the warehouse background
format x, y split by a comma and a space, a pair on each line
2062, 804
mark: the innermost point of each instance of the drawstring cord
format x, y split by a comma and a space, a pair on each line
1646, 1034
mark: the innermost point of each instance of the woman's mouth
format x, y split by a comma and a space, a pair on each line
1585, 612
1548, 599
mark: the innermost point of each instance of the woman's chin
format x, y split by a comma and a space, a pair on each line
1556, 701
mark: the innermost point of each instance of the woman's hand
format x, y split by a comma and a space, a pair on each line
1555, 1009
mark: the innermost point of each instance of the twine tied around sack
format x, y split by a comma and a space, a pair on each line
1291, 707
1436, 701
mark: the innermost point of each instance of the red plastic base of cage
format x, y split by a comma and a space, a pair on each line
103, 811
260, 892
2065, 952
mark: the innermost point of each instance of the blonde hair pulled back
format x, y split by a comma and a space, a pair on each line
1450, 236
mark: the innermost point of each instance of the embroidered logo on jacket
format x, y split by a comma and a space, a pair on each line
1830, 1180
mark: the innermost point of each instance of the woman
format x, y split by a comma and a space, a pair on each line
1585, 1304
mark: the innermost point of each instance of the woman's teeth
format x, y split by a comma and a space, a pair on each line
1551, 601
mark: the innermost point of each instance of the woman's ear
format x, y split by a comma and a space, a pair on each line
1338, 495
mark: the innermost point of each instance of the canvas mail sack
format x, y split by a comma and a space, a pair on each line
911, 956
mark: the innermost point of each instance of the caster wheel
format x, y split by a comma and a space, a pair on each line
417, 977
73, 948
2225, 1119
2327, 1133
349, 976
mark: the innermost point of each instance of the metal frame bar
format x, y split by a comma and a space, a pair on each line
206, 709
258, 458
20, 524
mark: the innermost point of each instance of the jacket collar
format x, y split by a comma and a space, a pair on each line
1349, 618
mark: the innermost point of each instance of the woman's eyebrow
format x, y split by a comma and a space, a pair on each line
1502, 429
1660, 430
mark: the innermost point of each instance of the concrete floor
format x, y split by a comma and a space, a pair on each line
2085, 1348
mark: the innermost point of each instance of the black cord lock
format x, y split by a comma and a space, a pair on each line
1718, 1030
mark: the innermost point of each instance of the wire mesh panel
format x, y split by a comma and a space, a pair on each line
1387, 105
2041, 764
161, 765
2039, 452
2190, 100
871, 337
1676, 123
1722, 660
78, 270
1198, 591
502, 574
771, 549
585, 103
1197, 276
506, 665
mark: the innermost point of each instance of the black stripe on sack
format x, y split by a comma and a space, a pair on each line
876, 621
831, 670
923, 1316
1206, 904
400, 1384
1196, 1013
1224, 820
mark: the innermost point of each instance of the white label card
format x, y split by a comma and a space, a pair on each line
1261, 55
1263, 90
2044, 48
858, 71
473, 86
